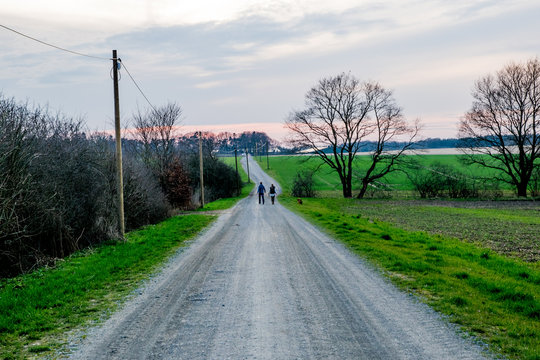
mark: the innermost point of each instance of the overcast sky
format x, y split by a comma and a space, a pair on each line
245, 65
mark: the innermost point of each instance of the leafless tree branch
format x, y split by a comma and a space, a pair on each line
501, 129
340, 113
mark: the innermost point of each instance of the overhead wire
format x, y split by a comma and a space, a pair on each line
82, 54
137, 85
54, 46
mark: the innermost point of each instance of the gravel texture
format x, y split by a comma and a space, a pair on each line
262, 283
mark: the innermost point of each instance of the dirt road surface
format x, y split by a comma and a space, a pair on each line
262, 283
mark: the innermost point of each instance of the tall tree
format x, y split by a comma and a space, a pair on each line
504, 124
335, 117
389, 125
156, 129
340, 114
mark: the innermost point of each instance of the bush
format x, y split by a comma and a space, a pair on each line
441, 180
303, 184
379, 190
144, 201
534, 183
177, 185
58, 189
219, 178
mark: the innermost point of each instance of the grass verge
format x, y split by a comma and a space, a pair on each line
37, 308
494, 298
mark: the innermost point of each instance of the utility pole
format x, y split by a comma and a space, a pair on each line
236, 164
247, 164
267, 162
201, 167
119, 175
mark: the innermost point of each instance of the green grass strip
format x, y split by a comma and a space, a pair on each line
494, 298
38, 308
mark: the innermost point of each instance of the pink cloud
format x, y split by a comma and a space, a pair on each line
276, 131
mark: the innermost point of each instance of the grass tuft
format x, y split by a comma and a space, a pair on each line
39, 349
458, 301
534, 314
462, 275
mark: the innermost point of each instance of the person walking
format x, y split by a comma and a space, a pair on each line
261, 190
272, 193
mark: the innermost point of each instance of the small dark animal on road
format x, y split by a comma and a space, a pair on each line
299, 201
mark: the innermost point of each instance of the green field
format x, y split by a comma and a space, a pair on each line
477, 262
327, 181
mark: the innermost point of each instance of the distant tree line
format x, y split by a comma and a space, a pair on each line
254, 142
58, 182
429, 143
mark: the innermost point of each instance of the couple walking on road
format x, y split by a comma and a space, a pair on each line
261, 190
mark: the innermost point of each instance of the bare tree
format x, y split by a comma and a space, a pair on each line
389, 125
156, 131
336, 117
341, 113
504, 124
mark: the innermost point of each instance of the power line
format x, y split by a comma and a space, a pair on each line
137, 85
51, 45
81, 54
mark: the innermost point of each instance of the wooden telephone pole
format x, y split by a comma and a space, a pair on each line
237, 176
267, 161
247, 164
201, 168
119, 175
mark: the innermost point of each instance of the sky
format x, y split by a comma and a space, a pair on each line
245, 65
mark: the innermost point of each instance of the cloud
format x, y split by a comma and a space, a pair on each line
229, 100
255, 59
208, 85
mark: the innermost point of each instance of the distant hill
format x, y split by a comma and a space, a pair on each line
431, 143
225, 143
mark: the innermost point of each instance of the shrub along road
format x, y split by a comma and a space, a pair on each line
264, 283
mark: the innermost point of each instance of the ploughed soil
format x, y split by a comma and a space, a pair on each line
509, 227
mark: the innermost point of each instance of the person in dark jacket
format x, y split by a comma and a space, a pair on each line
272, 193
261, 190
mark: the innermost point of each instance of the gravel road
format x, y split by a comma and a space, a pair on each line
262, 283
